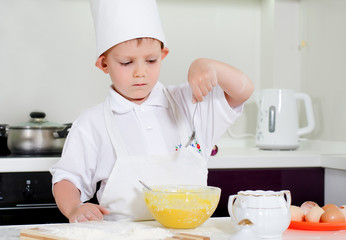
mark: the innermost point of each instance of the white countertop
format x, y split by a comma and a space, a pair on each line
233, 154
27, 164
244, 154
215, 228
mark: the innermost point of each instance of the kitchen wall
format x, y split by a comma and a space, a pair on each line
47, 51
47, 54
323, 65
304, 40
47, 60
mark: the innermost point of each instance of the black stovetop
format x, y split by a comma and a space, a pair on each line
30, 155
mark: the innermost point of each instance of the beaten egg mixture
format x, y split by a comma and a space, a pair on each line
180, 209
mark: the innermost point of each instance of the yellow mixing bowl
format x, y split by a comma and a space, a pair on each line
182, 206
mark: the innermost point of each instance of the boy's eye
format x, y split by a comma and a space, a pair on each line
125, 63
151, 60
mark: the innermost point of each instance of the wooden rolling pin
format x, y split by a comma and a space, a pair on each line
185, 236
38, 234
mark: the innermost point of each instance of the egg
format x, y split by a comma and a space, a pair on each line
333, 215
296, 213
306, 206
327, 206
314, 214
343, 210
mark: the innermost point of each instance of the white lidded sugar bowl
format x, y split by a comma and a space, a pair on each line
268, 210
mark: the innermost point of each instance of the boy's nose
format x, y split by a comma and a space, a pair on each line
140, 70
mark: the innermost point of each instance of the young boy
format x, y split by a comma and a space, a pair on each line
140, 131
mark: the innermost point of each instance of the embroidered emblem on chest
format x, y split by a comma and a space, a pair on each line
193, 144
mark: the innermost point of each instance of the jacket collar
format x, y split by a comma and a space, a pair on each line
157, 98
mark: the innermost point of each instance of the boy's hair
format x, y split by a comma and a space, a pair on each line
139, 41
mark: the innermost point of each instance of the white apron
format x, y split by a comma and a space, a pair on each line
122, 193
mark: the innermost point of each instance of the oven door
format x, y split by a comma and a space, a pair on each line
26, 198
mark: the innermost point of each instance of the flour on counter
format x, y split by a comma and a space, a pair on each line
107, 230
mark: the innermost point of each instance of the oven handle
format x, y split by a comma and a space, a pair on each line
30, 206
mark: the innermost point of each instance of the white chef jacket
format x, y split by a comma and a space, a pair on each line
150, 128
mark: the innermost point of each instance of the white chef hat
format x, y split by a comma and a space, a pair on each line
116, 21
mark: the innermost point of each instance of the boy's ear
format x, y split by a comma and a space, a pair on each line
102, 64
164, 53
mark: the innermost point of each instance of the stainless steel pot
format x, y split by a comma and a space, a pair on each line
37, 136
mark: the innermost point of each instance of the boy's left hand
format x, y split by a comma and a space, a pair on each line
202, 77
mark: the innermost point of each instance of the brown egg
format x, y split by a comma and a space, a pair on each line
343, 210
330, 205
314, 214
296, 213
333, 215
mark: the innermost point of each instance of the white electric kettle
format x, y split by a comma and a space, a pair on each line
277, 120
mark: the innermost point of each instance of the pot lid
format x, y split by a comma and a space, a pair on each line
38, 121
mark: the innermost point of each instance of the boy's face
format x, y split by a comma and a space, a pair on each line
134, 67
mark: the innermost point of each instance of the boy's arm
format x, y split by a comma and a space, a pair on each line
204, 74
67, 197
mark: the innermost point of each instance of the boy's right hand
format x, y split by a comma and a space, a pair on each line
202, 77
87, 212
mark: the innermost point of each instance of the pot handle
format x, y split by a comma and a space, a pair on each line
39, 115
3, 130
63, 133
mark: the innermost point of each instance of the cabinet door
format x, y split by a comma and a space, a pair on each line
304, 183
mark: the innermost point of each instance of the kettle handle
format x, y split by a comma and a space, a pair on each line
309, 114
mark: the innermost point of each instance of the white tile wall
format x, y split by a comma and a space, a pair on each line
47, 51
47, 54
324, 64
